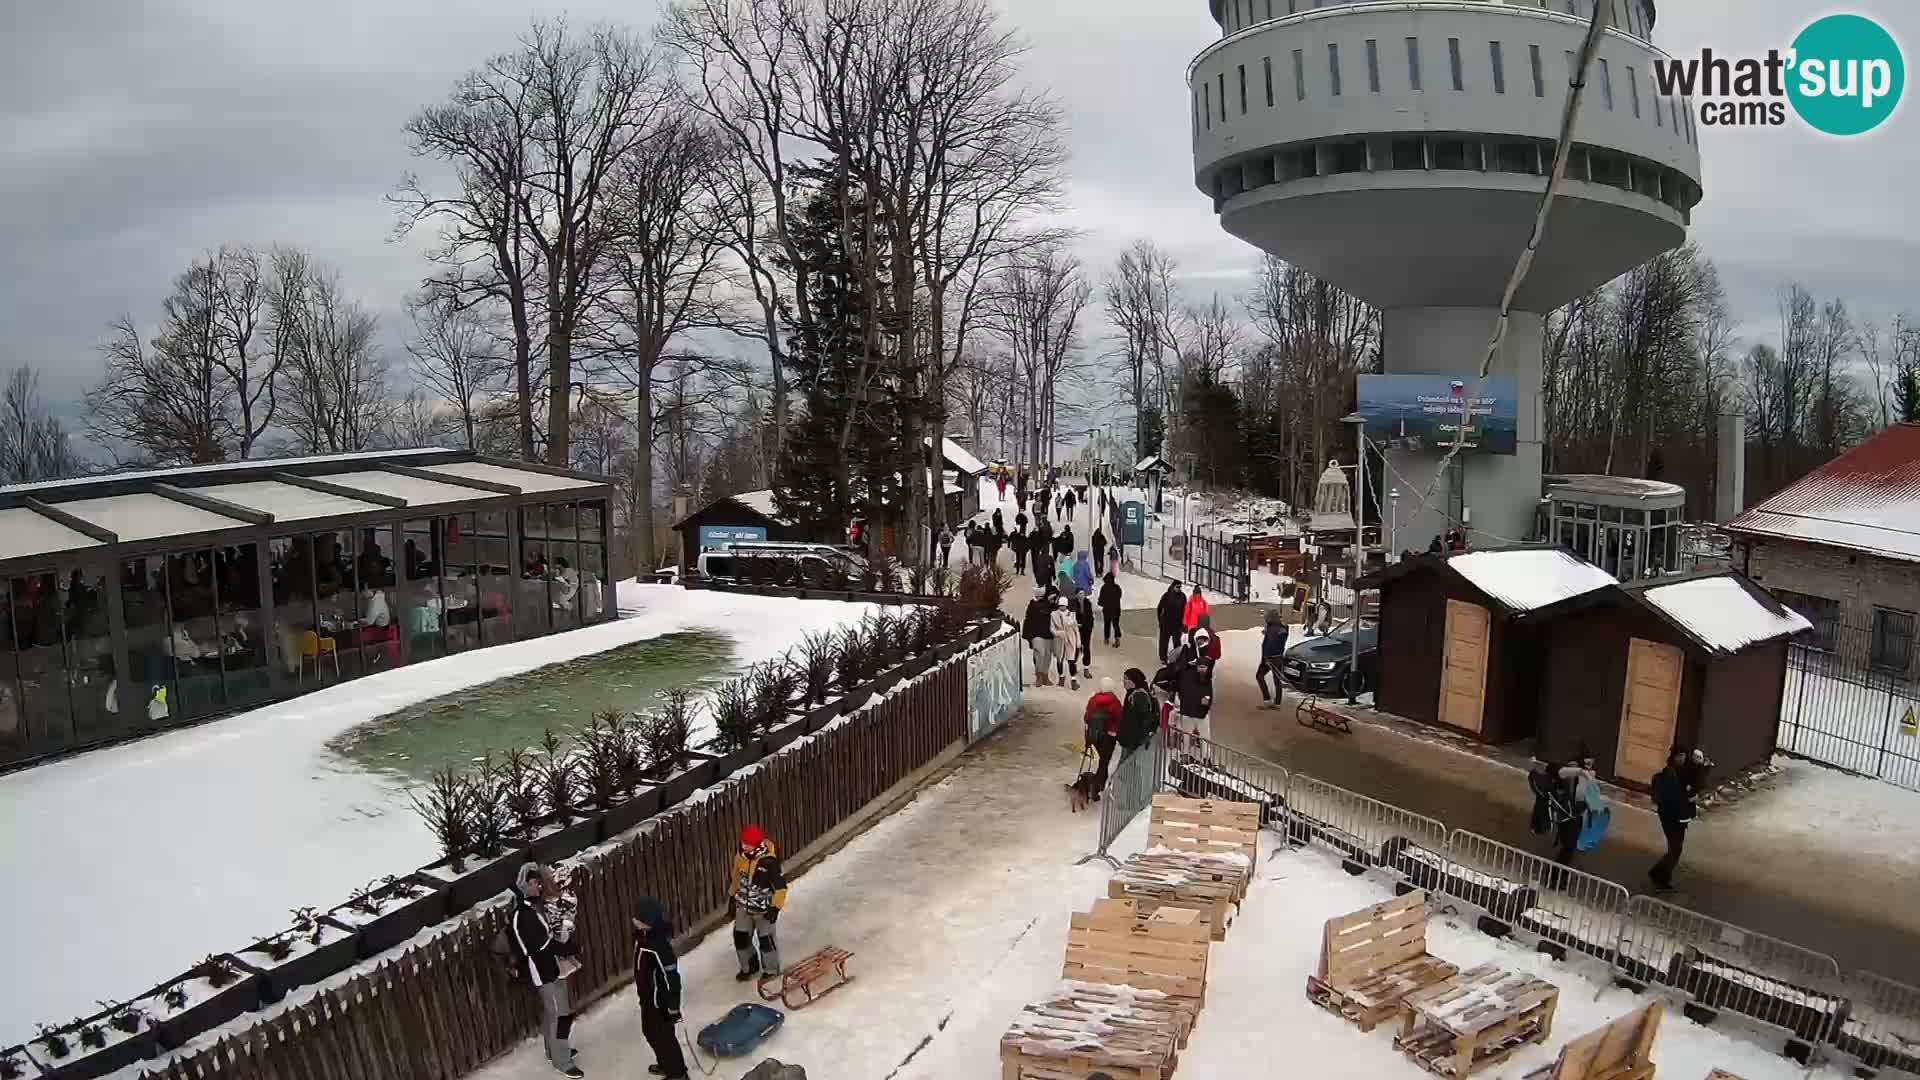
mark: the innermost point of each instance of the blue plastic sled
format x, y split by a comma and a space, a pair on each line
743, 1028
1595, 828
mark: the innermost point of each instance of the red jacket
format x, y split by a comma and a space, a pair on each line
1196, 607
1109, 704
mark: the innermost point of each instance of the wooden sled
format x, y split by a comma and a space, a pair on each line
1312, 713
805, 977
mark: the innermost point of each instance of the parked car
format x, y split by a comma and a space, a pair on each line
1323, 664
833, 566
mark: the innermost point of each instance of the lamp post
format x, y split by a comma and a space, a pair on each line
1359, 546
1393, 517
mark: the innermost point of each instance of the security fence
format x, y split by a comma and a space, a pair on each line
1710, 965
1131, 784
1851, 700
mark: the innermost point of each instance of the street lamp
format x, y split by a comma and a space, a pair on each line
1359, 546
1393, 517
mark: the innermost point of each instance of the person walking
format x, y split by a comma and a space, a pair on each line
1196, 606
1099, 547
1139, 714
1273, 652
1036, 629
1017, 542
976, 544
999, 523
1083, 574
1673, 790
1040, 553
1066, 655
1102, 720
758, 895
1063, 540
1580, 791
656, 982
1170, 611
1110, 611
1083, 615
1195, 692
945, 542
1066, 500
993, 541
545, 943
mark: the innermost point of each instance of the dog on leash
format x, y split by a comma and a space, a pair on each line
1080, 793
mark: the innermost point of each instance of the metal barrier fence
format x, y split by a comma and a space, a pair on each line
1570, 908
1723, 966
1208, 770
1367, 831
1882, 1029
1131, 784
1839, 708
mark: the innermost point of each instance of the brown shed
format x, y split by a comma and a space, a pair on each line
1451, 651
1630, 671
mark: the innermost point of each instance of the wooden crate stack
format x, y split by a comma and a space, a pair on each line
1135, 976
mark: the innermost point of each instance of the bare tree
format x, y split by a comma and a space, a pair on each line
457, 357
333, 382
420, 419
1140, 301
33, 441
1322, 338
166, 397
1037, 301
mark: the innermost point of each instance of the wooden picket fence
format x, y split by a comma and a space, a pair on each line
444, 1008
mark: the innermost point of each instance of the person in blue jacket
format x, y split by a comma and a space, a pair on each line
656, 980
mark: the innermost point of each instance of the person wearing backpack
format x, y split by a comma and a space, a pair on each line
1139, 714
656, 981
1102, 721
544, 951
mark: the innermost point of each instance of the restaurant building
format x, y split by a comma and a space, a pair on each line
133, 602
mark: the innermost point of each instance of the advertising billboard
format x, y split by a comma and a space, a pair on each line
717, 537
1416, 412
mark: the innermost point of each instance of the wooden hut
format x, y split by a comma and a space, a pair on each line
731, 519
1629, 671
1450, 650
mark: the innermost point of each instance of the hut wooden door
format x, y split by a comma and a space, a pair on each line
1649, 709
1463, 671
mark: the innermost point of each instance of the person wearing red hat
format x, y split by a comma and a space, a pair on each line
759, 892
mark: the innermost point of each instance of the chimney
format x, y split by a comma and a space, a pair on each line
1730, 483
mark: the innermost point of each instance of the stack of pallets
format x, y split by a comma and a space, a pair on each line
1622, 1050
1372, 959
1083, 1028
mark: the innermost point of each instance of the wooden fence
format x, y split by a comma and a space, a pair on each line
444, 1008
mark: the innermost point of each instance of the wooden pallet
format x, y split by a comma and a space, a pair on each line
804, 979
1226, 867
1622, 1050
1165, 881
1210, 826
1083, 1027
1113, 944
1475, 1020
1372, 959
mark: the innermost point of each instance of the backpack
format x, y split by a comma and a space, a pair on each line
507, 953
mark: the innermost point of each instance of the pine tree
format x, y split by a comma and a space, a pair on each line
1906, 395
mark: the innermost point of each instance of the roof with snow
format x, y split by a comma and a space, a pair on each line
957, 455
1574, 485
754, 502
1521, 579
1724, 613
1153, 463
1867, 499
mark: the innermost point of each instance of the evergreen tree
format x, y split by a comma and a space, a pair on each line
1906, 395
1210, 424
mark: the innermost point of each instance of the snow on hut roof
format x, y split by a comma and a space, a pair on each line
1867, 499
1723, 612
1575, 484
760, 502
957, 455
1529, 578
1151, 461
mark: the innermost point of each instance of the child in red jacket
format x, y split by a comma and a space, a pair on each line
1103, 732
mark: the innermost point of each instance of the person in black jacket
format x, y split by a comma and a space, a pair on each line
1195, 691
1172, 611
1063, 540
1083, 613
1139, 713
1036, 629
1273, 652
1017, 542
543, 945
656, 981
1673, 791
1110, 611
1040, 552
1099, 548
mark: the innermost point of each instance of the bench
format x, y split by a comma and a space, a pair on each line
1313, 713
1207, 884
804, 978
1164, 951
1217, 827
1372, 959
1475, 1020
1083, 1028
1622, 1050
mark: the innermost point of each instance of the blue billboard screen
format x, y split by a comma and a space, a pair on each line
1416, 412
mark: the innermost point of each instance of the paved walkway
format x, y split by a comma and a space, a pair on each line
1819, 896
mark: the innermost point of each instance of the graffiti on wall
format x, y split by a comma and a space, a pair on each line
993, 686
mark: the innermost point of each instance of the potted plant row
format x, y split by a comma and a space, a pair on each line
311, 948
214, 991
90, 1046
386, 912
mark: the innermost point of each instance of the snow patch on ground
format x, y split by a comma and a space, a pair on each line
151, 854
1822, 806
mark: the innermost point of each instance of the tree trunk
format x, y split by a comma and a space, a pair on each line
644, 556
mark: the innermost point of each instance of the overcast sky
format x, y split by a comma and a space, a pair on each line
138, 134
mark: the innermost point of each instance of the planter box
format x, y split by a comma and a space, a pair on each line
636, 808
482, 880
16, 1065
207, 1006
785, 735
853, 701
581, 832
725, 765
399, 918
822, 716
82, 1063
918, 665
306, 965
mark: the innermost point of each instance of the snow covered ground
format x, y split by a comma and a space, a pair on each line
957, 910
1818, 805
131, 862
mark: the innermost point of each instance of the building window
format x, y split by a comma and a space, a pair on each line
1453, 58
1347, 157
1269, 10
1452, 154
1499, 68
1373, 66
1333, 68
1517, 158
1206, 103
1408, 155
1676, 117
1413, 63
1266, 63
1299, 76
1633, 91
1659, 108
1892, 640
1243, 89
1240, 14
1539, 76
1223, 96
1822, 612
1606, 83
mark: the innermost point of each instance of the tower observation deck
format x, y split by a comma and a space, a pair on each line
1399, 151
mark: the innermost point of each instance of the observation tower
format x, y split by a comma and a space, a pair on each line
1399, 151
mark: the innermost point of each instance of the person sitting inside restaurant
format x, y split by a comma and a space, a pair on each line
376, 625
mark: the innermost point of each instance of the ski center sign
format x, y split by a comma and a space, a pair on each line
1415, 412
717, 537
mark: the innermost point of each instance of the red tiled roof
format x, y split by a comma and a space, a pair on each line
1867, 499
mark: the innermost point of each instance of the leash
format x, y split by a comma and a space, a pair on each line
705, 1070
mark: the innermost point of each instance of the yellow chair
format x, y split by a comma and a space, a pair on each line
314, 647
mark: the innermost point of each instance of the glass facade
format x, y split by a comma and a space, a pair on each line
1627, 542
214, 628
